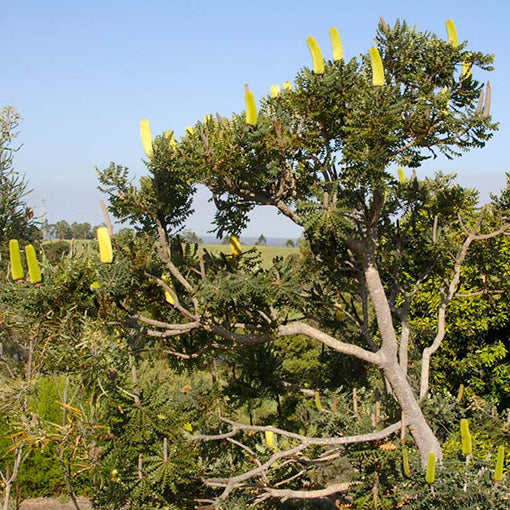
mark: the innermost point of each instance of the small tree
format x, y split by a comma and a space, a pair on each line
16, 222
63, 230
261, 241
324, 155
81, 230
16, 218
188, 236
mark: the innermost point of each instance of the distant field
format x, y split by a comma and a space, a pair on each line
79, 246
267, 253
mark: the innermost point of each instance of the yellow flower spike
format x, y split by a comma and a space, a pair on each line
460, 393
377, 67
251, 107
466, 70
16, 267
33, 266
146, 136
453, 38
275, 90
339, 312
207, 118
336, 43
498, 473
235, 246
401, 176
105, 245
317, 399
405, 462
188, 427
465, 437
189, 130
430, 475
445, 93
269, 439
170, 136
318, 60
169, 298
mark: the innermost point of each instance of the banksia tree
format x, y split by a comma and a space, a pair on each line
323, 153
16, 218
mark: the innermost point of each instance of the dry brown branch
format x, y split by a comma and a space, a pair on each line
286, 494
324, 441
165, 325
478, 293
250, 452
299, 328
292, 455
304, 391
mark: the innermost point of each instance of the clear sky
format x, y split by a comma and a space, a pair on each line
83, 74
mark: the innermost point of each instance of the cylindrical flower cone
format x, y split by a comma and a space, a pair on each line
146, 136
105, 245
269, 439
336, 43
235, 246
405, 462
377, 67
251, 108
275, 90
169, 298
465, 437
498, 473
33, 266
430, 475
317, 399
16, 267
317, 58
453, 38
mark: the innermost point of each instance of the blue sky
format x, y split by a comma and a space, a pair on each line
83, 74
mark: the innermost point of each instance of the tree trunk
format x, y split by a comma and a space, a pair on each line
10, 479
422, 434
67, 478
394, 373
7, 495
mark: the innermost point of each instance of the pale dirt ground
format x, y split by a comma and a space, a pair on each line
53, 504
